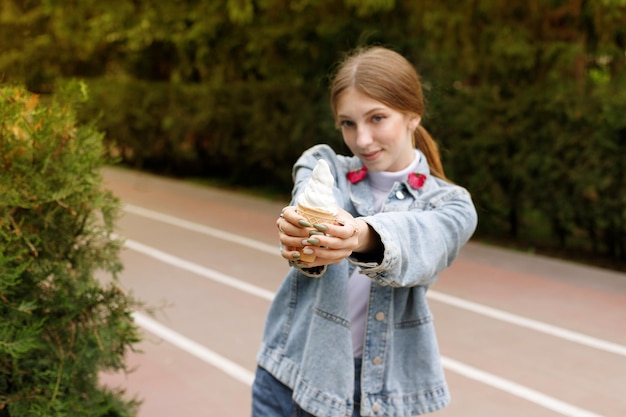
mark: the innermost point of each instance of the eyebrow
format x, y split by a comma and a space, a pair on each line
374, 110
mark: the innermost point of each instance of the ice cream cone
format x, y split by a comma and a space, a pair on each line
314, 216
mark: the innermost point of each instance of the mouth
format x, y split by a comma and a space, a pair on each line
370, 156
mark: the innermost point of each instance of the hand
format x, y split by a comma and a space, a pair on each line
330, 243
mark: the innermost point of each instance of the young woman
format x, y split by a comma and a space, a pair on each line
351, 334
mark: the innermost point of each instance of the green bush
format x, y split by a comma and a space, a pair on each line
64, 318
246, 134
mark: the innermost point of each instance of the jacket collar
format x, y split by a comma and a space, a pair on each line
361, 194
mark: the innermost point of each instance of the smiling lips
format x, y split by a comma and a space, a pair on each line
370, 156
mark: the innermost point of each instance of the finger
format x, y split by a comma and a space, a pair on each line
297, 219
351, 226
342, 231
290, 253
291, 215
294, 224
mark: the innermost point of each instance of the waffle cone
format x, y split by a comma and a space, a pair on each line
314, 216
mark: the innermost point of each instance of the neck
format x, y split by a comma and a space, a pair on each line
384, 180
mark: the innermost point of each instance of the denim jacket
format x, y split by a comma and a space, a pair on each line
307, 342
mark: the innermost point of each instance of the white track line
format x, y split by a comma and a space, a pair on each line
493, 313
517, 390
538, 326
205, 230
199, 270
225, 365
246, 377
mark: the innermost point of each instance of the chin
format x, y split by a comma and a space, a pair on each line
377, 166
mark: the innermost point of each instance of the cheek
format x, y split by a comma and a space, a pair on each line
348, 138
351, 146
388, 135
400, 132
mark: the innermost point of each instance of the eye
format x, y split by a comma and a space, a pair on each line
378, 118
346, 123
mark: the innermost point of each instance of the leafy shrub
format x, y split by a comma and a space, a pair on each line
64, 318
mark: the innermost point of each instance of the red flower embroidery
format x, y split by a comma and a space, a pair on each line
357, 175
416, 180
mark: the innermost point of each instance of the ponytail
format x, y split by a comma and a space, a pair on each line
425, 143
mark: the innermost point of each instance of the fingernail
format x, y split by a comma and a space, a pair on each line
341, 222
314, 232
308, 251
295, 255
313, 241
320, 227
304, 223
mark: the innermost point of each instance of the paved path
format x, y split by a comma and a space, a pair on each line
520, 335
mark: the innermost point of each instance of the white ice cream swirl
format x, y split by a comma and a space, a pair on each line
318, 193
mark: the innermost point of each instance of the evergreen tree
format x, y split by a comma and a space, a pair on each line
64, 317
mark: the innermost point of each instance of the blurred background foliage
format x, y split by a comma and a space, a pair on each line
526, 98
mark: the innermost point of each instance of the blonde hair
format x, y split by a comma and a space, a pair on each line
387, 77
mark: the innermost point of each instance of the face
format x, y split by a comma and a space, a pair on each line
379, 135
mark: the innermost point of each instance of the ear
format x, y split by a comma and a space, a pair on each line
414, 121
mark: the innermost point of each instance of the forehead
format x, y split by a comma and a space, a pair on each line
353, 102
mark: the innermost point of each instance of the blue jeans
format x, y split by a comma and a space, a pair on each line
271, 398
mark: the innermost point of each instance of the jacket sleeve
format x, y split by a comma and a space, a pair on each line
420, 243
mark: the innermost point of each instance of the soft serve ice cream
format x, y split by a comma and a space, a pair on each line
318, 193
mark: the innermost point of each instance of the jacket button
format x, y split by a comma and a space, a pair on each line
376, 408
380, 316
399, 195
377, 360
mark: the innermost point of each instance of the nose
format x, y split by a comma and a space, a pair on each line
363, 137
